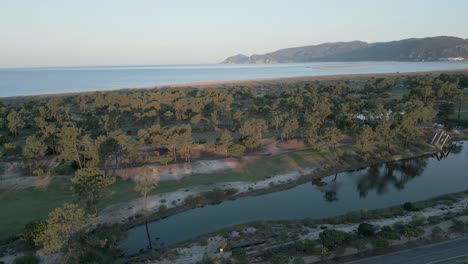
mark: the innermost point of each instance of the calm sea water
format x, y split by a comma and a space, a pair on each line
378, 186
32, 81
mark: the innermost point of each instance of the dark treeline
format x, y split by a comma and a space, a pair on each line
124, 128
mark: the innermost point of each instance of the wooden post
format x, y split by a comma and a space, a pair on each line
432, 141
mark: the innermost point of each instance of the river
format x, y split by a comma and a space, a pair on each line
33, 81
378, 186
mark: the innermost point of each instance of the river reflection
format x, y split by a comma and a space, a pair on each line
379, 177
383, 185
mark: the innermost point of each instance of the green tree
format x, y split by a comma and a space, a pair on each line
331, 140
33, 152
15, 122
224, 142
89, 185
333, 238
365, 140
147, 179
236, 150
32, 230
62, 224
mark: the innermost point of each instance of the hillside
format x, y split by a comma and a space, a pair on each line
413, 49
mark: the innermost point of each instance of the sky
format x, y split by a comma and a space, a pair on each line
51, 33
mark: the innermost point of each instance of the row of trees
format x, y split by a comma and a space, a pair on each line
115, 128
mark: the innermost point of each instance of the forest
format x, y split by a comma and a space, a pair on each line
89, 135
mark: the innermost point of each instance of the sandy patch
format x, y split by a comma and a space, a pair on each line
180, 170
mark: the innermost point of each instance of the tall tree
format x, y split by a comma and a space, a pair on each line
366, 140
62, 224
332, 138
224, 142
89, 185
33, 151
15, 122
147, 179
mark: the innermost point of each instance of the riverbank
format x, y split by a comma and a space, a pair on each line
130, 213
350, 161
395, 228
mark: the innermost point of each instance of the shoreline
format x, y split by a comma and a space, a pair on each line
252, 81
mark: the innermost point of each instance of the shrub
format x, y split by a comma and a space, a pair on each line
389, 232
236, 150
359, 244
26, 259
380, 242
417, 220
458, 226
322, 251
193, 200
32, 230
410, 207
280, 259
239, 256
298, 260
307, 246
203, 241
437, 233
215, 195
409, 231
162, 208
333, 238
211, 260
366, 229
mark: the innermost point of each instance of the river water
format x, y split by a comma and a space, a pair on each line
379, 186
32, 81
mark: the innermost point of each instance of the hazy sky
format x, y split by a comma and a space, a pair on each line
119, 32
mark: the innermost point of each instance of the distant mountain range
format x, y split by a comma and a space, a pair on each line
413, 49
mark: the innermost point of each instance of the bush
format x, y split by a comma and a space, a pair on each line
307, 246
236, 150
215, 195
333, 238
366, 229
380, 242
322, 251
239, 256
162, 208
417, 220
359, 244
280, 259
458, 226
410, 207
26, 259
193, 200
437, 233
211, 260
389, 232
298, 260
32, 230
409, 231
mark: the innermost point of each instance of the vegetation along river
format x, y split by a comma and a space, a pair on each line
378, 186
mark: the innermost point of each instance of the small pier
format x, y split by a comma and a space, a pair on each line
441, 140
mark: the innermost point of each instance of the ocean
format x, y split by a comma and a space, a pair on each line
36, 81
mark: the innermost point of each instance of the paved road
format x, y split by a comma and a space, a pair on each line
444, 252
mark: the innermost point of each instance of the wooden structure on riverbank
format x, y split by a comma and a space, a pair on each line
442, 140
